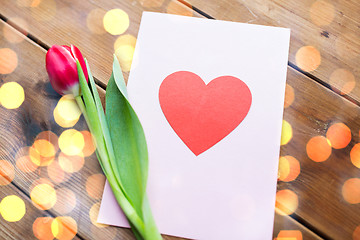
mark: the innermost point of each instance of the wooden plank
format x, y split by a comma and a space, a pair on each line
80, 23
20, 128
77, 193
331, 27
286, 225
20, 218
320, 186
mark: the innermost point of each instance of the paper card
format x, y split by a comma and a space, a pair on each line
210, 96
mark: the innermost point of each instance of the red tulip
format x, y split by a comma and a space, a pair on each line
62, 70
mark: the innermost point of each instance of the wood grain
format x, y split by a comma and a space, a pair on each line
21, 126
291, 226
319, 185
23, 228
332, 27
73, 22
313, 111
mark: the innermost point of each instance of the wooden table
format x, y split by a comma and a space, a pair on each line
45, 194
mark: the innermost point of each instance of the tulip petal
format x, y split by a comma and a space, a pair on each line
75, 52
61, 68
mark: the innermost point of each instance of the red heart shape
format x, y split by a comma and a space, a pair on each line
200, 114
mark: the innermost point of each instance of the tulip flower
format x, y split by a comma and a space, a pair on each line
118, 135
62, 70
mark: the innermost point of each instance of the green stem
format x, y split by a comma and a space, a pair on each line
142, 229
81, 105
103, 159
143, 226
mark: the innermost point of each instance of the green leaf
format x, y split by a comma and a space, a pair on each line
135, 206
90, 113
102, 121
151, 231
128, 140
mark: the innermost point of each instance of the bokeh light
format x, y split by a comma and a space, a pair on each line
35, 3
61, 121
174, 7
23, 160
308, 58
290, 235
44, 148
322, 13
42, 228
339, 135
286, 202
66, 112
318, 149
71, 163
42, 152
43, 10
124, 48
351, 190
43, 196
89, 147
28, 3
11, 94
8, 60
93, 214
64, 228
7, 172
284, 168
286, 133
49, 136
343, 81
289, 168
56, 173
289, 96
355, 155
116, 21
66, 201
356, 233
94, 21
151, 3
71, 142
12, 208
95, 185
25, 164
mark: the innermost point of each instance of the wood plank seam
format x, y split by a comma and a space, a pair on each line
292, 65
323, 83
23, 32
102, 85
27, 195
39, 42
307, 225
196, 9
50, 213
312, 77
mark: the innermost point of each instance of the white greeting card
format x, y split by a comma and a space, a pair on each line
209, 95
